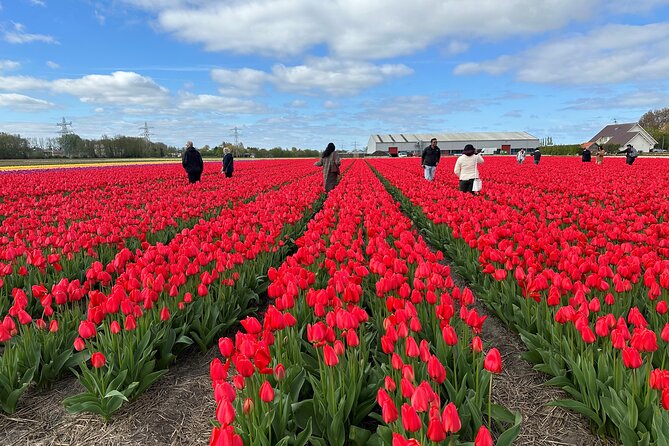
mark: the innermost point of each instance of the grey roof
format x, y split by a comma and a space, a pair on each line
619, 133
469, 136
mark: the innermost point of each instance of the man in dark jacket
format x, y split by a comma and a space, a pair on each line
192, 163
429, 159
586, 155
537, 155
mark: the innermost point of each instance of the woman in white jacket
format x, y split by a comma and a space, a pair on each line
466, 168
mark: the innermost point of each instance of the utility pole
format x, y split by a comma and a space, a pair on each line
146, 134
63, 130
235, 132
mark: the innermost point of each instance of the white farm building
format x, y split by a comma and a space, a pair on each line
451, 143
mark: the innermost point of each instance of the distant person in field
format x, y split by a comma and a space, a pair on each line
192, 163
429, 159
466, 168
586, 155
227, 162
537, 155
599, 156
331, 167
630, 154
520, 157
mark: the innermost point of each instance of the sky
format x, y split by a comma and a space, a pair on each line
302, 73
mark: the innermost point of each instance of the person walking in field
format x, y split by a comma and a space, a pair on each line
228, 162
331, 164
599, 155
630, 154
429, 159
192, 163
537, 155
520, 157
586, 155
466, 168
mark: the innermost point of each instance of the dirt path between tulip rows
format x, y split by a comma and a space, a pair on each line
174, 411
521, 388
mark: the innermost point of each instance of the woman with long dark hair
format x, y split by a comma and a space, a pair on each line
330, 162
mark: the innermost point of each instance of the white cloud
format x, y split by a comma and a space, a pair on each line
20, 36
121, 88
6, 65
334, 76
53, 65
38, 2
370, 29
330, 104
23, 103
639, 99
610, 54
298, 103
205, 102
245, 81
22, 83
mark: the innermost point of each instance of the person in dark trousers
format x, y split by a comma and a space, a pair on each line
192, 163
429, 159
331, 165
630, 154
227, 163
537, 155
586, 155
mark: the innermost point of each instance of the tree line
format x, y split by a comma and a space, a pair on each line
73, 146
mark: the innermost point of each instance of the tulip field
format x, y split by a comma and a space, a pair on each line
335, 317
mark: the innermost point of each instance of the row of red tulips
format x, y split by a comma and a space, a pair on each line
575, 258
64, 235
365, 329
144, 291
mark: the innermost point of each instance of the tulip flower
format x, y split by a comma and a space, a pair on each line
266, 392
98, 360
79, 344
450, 418
483, 437
435, 430
493, 361
631, 358
410, 419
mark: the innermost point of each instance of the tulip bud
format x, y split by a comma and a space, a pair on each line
98, 360
266, 392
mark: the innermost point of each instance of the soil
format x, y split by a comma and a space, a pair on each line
174, 411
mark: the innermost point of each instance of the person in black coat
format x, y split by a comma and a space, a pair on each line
586, 155
537, 156
227, 163
192, 163
429, 159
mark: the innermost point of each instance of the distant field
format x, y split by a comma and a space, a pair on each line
20, 164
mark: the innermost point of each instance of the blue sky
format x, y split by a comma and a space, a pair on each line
305, 72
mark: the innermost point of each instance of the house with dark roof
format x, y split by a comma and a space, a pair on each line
623, 134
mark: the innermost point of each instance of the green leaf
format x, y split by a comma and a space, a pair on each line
579, 407
117, 394
508, 436
359, 436
303, 437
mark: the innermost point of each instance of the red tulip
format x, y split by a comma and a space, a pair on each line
493, 361
483, 437
435, 430
225, 412
389, 411
164, 314
631, 358
329, 356
266, 392
79, 344
436, 370
53, 326
98, 360
451, 419
410, 419
477, 345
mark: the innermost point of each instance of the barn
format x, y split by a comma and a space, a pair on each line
450, 143
623, 134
